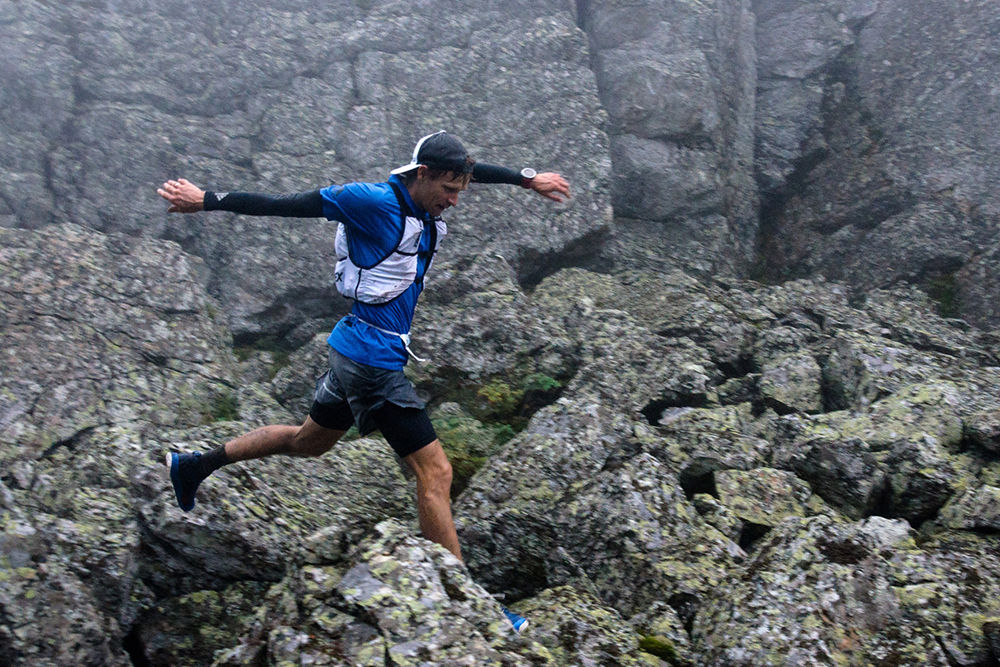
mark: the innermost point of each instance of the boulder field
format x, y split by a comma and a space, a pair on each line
712, 473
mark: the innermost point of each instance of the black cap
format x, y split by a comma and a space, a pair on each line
439, 151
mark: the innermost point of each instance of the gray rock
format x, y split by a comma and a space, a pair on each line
662, 547
910, 317
947, 58
113, 99
822, 590
788, 117
983, 429
660, 182
717, 515
252, 517
36, 106
506, 517
763, 496
845, 473
792, 384
402, 599
862, 369
658, 95
103, 330
912, 238
294, 385
66, 580
796, 44
976, 509
188, 629
571, 627
897, 190
677, 80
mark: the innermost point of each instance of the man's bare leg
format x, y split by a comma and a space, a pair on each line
433, 472
187, 471
310, 439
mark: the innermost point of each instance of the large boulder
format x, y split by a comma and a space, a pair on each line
103, 330
250, 518
402, 600
827, 592
677, 80
798, 44
900, 458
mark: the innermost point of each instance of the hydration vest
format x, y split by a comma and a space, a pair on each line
393, 274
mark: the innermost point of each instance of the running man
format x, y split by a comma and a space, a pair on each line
387, 235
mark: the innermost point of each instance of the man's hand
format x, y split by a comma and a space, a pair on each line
184, 196
550, 185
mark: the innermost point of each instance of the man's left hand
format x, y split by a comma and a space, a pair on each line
550, 185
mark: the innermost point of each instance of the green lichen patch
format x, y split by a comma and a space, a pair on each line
661, 647
224, 407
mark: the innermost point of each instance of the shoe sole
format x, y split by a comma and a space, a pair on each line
175, 481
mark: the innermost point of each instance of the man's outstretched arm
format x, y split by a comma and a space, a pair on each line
550, 184
186, 197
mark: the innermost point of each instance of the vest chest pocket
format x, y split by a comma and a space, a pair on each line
387, 279
410, 243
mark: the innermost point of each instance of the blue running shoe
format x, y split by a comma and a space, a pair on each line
185, 475
519, 622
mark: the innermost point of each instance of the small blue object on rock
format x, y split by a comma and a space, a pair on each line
519, 622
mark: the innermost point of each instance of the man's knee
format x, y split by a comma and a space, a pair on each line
441, 473
432, 466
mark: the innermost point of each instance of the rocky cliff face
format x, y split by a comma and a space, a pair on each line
860, 130
110, 99
678, 80
659, 463
872, 147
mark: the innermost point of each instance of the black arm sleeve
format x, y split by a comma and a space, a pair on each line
489, 173
301, 205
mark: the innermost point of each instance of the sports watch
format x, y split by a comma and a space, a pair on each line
527, 174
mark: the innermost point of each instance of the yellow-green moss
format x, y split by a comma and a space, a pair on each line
661, 647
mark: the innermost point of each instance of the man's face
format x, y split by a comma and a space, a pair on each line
434, 195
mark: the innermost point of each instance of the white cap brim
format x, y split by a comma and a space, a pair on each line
405, 168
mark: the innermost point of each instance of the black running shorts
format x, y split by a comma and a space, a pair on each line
374, 399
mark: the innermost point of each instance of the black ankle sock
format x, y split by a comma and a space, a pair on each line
213, 460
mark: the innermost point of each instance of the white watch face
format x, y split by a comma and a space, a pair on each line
528, 172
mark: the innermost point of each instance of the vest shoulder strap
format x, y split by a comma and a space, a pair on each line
403, 206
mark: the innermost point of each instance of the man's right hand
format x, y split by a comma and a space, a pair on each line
184, 196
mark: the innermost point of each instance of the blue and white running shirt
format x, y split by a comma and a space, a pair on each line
373, 218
